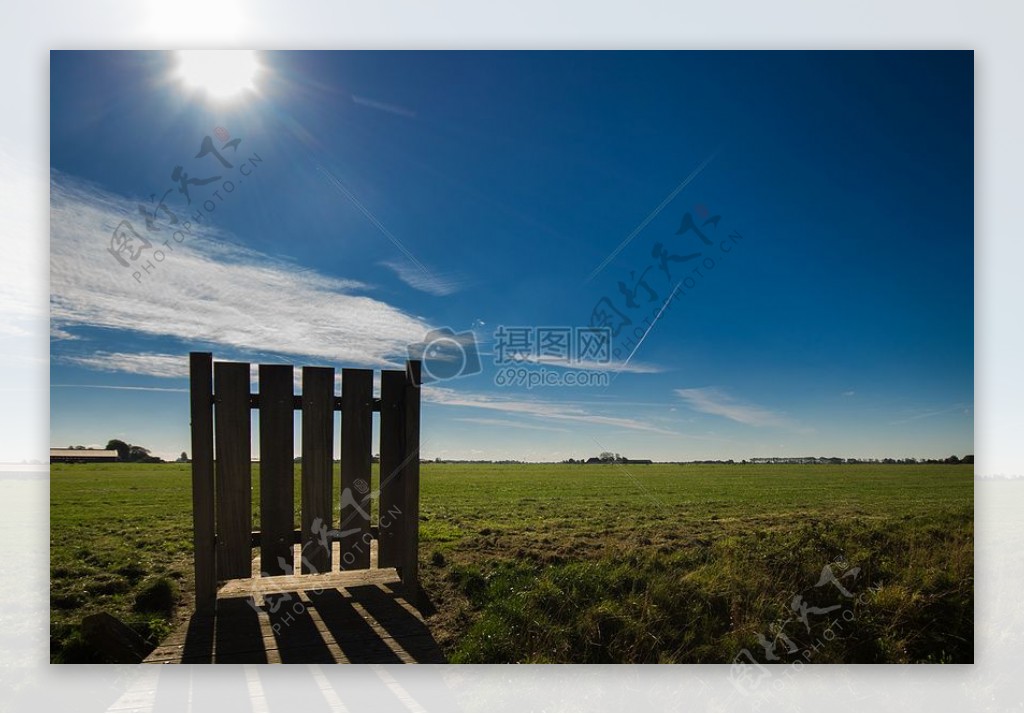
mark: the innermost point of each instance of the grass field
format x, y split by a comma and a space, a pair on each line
593, 563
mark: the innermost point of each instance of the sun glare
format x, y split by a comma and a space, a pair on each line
222, 74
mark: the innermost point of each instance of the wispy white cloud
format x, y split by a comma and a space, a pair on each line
929, 413
172, 366
536, 408
384, 106
594, 366
849, 393
144, 363
207, 290
710, 400
118, 387
509, 423
58, 334
428, 281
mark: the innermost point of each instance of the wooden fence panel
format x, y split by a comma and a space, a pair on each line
391, 510
222, 474
317, 467
201, 398
233, 470
411, 476
277, 469
356, 445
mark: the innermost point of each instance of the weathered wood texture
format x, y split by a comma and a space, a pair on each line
203, 519
233, 468
411, 475
317, 466
392, 494
356, 445
277, 468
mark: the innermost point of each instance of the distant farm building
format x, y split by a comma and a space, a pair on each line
82, 456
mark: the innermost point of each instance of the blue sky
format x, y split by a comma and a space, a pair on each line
375, 196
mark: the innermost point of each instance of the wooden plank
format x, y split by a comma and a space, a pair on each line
317, 466
410, 564
277, 469
256, 538
201, 398
356, 444
391, 510
233, 469
335, 579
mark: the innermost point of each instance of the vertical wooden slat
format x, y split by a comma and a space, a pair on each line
411, 475
391, 510
277, 469
317, 467
233, 469
201, 398
356, 443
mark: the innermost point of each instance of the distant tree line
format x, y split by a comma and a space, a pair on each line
608, 457
132, 453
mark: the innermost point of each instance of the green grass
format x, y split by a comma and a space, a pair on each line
591, 563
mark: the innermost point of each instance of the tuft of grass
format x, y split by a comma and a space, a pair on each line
157, 595
69, 646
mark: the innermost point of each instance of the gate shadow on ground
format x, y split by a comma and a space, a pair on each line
365, 624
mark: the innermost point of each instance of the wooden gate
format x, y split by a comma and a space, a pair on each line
222, 474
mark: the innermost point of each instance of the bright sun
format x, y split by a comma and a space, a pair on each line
222, 74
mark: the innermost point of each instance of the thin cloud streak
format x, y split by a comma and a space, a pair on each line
650, 217
933, 413
339, 186
651, 326
535, 408
118, 387
425, 281
590, 365
507, 423
145, 363
710, 400
171, 366
384, 106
